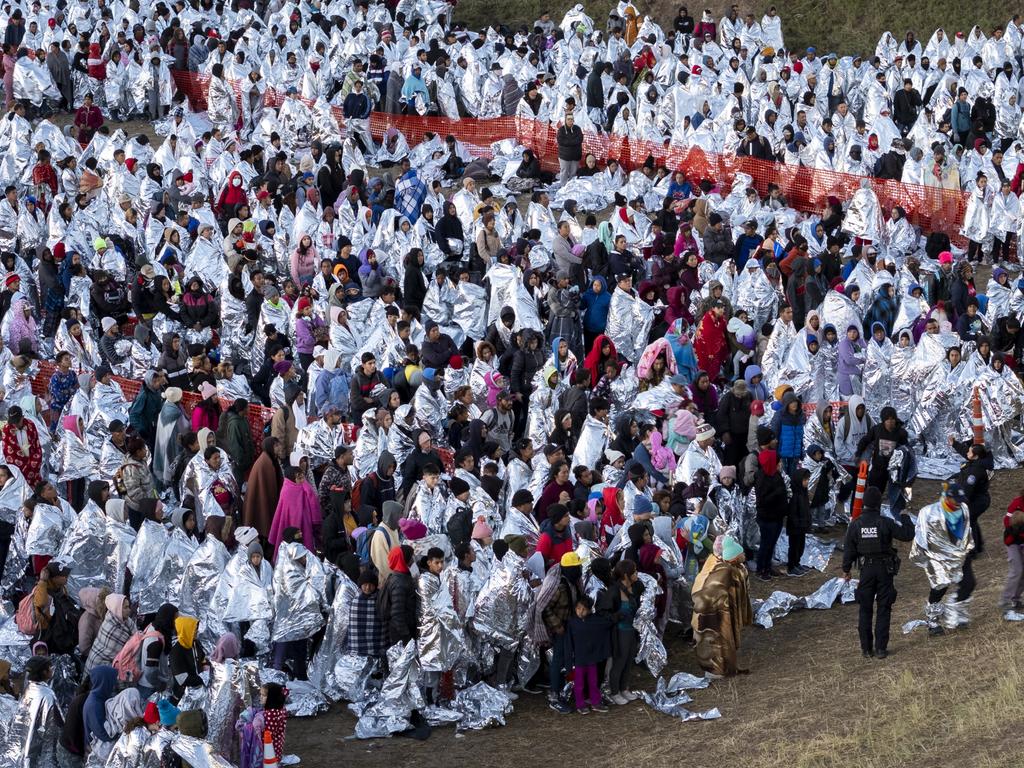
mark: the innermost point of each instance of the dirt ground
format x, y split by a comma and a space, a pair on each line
810, 700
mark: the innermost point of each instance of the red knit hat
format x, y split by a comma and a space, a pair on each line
455, 362
303, 304
757, 408
152, 715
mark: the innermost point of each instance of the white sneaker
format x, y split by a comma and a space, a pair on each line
618, 698
630, 695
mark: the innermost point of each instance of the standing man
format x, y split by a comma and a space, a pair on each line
869, 542
942, 546
570, 148
88, 120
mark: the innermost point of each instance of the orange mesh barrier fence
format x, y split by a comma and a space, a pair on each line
259, 416
805, 189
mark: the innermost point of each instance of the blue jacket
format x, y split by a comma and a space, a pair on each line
789, 429
94, 712
595, 307
745, 245
642, 457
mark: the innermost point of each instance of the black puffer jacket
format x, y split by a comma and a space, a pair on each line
527, 362
397, 609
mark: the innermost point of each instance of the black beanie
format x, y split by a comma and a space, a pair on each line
522, 496
872, 498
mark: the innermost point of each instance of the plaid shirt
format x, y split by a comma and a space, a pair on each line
111, 638
365, 632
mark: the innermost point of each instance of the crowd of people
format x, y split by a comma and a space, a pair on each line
519, 425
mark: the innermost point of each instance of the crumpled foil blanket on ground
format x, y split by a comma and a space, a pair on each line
781, 604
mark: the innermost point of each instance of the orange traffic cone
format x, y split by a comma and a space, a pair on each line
269, 758
858, 494
977, 424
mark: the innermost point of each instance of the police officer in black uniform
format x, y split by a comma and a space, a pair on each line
869, 542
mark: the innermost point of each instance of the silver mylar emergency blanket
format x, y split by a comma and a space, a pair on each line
837, 310
998, 300
332, 648
775, 352
780, 604
755, 294
935, 550
198, 753
670, 701
17, 560
13, 495
864, 215
695, 458
299, 593
370, 444
245, 595
507, 290
234, 685
802, 371
481, 706
441, 639
317, 442
629, 324
428, 506
661, 397
157, 561
471, 310
877, 376
429, 409
235, 342
71, 458
108, 404
97, 550
503, 607
901, 385
591, 444
651, 650
48, 528
439, 306
388, 710
33, 729
817, 552
199, 584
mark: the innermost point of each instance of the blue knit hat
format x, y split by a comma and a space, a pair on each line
642, 506
730, 548
168, 713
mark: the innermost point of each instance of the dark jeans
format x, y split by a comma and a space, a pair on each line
559, 648
6, 532
964, 589
293, 651
770, 531
1001, 248
876, 584
973, 251
976, 509
797, 544
624, 647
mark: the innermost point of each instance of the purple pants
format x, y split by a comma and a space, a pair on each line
588, 672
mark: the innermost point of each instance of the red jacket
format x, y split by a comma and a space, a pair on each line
710, 344
551, 551
1013, 534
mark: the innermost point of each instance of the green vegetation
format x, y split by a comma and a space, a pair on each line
845, 27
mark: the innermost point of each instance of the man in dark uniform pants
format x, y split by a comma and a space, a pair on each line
869, 541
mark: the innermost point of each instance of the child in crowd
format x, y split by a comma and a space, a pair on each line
590, 637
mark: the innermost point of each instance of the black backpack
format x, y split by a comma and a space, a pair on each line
62, 634
460, 526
